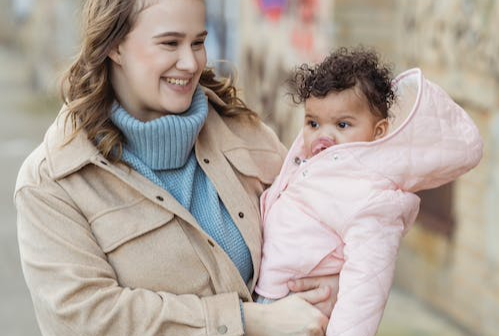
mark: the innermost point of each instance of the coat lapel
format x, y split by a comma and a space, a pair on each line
214, 139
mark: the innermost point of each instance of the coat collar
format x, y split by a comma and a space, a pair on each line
66, 158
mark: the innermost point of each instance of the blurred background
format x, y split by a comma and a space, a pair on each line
447, 277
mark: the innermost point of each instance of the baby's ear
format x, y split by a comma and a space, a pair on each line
381, 129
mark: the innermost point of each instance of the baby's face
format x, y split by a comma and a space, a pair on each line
339, 117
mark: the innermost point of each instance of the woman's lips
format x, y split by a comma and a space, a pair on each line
179, 85
320, 144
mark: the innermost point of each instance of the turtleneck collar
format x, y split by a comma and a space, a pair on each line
165, 142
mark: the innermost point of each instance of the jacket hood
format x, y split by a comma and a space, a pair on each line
431, 139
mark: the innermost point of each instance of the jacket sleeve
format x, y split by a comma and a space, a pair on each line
75, 290
372, 237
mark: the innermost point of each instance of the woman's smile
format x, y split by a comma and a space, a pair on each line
179, 85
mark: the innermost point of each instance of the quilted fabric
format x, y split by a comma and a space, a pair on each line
346, 209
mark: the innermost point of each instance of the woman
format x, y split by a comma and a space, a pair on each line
138, 215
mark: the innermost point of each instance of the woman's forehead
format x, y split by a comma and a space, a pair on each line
143, 5
157, 16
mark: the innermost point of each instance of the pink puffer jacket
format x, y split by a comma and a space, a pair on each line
346, 209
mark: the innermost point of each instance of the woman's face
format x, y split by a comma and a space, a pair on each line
156, 68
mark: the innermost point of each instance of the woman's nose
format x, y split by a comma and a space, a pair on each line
187, 60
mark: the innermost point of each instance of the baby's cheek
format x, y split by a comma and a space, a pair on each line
307, 148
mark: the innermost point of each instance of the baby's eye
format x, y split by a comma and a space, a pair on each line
313, 123
343, 124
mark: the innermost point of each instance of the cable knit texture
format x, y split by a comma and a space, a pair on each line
163, 151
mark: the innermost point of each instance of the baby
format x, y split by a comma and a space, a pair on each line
345, 195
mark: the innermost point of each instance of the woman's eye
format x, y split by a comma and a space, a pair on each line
170, 43
198, 43
343, 124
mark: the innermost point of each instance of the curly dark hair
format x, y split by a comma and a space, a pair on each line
344, 69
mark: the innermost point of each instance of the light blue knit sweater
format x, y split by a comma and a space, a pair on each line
163, 151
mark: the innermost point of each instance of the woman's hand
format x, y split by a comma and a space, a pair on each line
293, 315
328, 281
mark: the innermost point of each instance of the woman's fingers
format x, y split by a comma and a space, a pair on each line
305, 284
316, 295
293, 315
301, 285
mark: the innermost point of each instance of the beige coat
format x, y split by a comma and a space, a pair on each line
107, 252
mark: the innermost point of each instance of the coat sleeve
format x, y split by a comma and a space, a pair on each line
75, 290
372, 237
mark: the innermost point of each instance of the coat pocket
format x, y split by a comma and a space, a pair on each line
147, 248
120, 224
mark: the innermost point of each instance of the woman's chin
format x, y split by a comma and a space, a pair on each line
177, 108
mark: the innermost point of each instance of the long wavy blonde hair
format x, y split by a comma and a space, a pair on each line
86, 86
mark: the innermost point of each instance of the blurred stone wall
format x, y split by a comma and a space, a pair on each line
275, 39
6, 21
456, 44
48, 34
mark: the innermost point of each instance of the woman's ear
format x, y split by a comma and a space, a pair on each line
381, 129
115, 54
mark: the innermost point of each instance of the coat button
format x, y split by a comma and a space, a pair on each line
160, 198
297, 160
336, 157
222, 329
206, 161
241, 215
212, 244
104, 162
